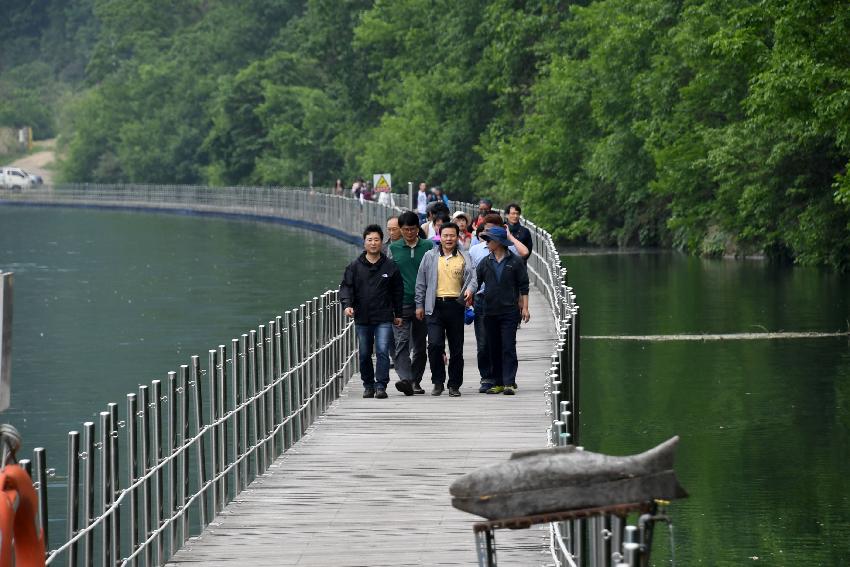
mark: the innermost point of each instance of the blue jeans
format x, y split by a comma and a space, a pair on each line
377, 336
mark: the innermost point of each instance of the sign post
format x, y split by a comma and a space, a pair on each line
6, 281
383, 184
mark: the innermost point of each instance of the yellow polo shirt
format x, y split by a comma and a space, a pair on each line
450, 275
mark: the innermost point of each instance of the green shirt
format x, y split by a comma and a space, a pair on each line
408, 258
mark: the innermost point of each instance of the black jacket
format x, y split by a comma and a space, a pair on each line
374, 290
501, 296
523, 235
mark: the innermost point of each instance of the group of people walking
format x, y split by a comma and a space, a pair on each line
411, 295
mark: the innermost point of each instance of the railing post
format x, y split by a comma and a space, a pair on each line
40, 478
157, 478
221, 436
144, 456
88, 492
252, 385
212, 381
201, 467
183, 489
260, 339
244, 412
287, 364
171, 444
268, 396
233, 403
278, 390
133, 471
73, 492
106, 485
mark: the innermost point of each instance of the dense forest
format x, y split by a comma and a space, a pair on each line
714, 126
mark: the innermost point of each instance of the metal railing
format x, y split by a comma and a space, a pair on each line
185, 448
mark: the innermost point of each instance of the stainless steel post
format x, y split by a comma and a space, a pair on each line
40, 477
286, 365
321, 343
114, 468
575, 430
261, 400
201, 467
278, 390
221, 386
88, 491
73, 493
157, 483
133, 471
616, 538
212, 364
306, 374
314, 364
594, 540
106, 485
144, 460
233, 403
630, 554
252, 392
268, 397
244, 411
295, 378
183, 462
171, 445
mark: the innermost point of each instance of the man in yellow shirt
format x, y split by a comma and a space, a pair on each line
445, 284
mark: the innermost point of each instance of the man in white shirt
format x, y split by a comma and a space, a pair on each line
422, 202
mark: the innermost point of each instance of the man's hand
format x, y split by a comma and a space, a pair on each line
349, 311
420, 313
397, 321
526, 316
467, 297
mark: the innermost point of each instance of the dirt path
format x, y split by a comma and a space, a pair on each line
39, 162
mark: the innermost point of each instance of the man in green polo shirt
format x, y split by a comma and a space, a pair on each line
410, 357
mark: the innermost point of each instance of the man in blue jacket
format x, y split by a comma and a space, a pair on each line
371, 291
505, 278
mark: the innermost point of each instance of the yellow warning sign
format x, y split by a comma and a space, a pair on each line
383, 182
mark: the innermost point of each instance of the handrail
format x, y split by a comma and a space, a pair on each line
225, 425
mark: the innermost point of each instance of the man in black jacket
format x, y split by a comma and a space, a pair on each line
505, 280
513, 212
371, 291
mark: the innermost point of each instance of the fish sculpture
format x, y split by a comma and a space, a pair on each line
559, 479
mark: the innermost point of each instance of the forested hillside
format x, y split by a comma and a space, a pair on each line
718, 127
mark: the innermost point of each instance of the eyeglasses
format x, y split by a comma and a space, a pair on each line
410, 228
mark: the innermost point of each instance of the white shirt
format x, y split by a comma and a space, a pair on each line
421, 202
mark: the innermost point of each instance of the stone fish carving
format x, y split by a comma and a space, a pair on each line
564, 478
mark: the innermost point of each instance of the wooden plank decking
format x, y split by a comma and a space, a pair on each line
368, 484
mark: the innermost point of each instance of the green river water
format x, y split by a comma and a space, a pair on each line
764, 425
105, 301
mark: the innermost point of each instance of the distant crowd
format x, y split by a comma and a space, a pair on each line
413, 288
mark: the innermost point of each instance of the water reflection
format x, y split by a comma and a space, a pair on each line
765, 425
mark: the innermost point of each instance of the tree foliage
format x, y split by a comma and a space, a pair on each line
717, 127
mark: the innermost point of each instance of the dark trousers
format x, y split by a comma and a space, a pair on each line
481, 341
446, 323
501, 342
410, 346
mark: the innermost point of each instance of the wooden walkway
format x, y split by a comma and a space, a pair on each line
369, 483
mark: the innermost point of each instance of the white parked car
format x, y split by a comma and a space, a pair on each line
14, 178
